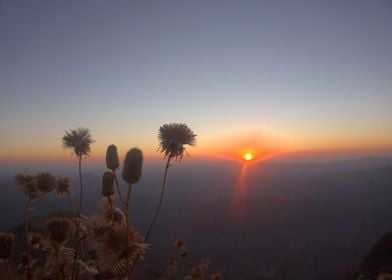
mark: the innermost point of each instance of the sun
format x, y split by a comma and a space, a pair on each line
248, 156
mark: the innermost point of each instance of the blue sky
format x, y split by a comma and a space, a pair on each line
316, 72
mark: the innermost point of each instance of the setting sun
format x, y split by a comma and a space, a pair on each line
248, 156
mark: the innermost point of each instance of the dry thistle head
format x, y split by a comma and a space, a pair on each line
216, 276
79, 140
46, 182
58, 229
118, 215
132, 170
122, 241
107, 184
112, 160
63, 186
35, 240
7, 242
173, 137
28, 184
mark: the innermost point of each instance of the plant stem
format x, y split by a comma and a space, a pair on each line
81, 185
118, 190
78, 241
160, 201
29, 273
70, 203
129, 270
156, 213
8, 267
48, 203
111, 209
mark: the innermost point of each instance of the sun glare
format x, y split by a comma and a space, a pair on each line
248, 156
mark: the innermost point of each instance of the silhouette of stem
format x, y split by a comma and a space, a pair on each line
78, 241
8, 268
129, 270
157, 211
160, 201
111, 209
118, 190
48, 203
81, 185
70, 203
29, 273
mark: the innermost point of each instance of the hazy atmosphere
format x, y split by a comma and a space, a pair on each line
258, 133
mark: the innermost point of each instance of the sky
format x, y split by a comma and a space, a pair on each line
269, 77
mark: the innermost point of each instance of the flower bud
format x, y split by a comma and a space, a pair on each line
112, 161
107, 184
7, 241
132, 170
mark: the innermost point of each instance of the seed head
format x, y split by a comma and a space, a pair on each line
46, 182
28, 184
7, 242
132, 170
58, 229
112, 161
63, 186
173, 137
79, 140
107, 184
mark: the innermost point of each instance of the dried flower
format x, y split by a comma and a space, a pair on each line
107, 184
58, 229
112, 160
63, 186
216, 276
180, 244
35, 240
46, 182
122, 241
7, 242
28, 184
118, 215
132, 170
79, 140
173, 137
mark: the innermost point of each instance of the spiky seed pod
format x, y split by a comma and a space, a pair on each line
107, 184
46, 182
58, 229
28, 184
117, 214
132, 170
172, 138
7, 242
63, 186
79, 140
112, 160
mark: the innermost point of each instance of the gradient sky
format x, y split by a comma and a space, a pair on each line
287, 75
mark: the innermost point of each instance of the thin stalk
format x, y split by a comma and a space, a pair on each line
29, 273
129, 270
70, 203
48, 203
81, 185
118, 190
78, 241
111, 209
9, 271
160, 201
156, 213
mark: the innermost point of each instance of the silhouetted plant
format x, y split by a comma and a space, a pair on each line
172, 139
79, 140
111, 246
